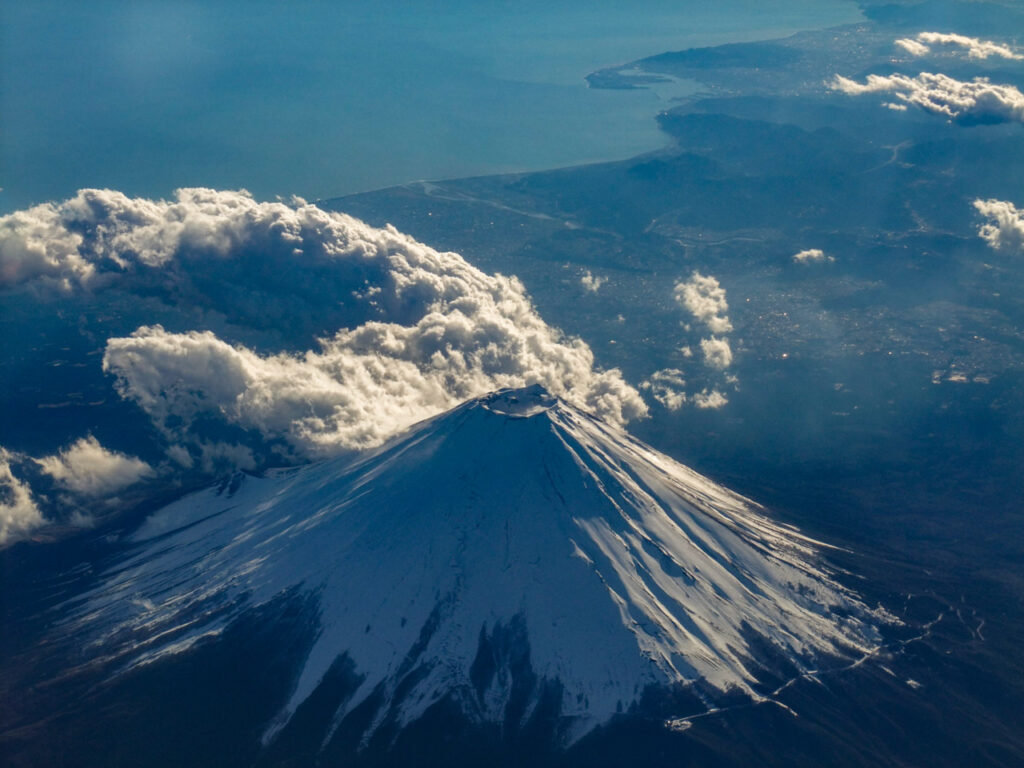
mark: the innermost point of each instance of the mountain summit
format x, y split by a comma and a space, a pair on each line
512, 558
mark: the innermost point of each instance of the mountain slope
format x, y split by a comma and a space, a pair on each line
514, 556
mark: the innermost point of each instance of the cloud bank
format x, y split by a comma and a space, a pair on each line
363, 385
976, 101
1005, 231
293, 268
403, 330
972, 46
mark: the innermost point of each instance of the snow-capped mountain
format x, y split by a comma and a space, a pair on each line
512, 554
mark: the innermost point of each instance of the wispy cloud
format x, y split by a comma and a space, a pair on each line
704, 298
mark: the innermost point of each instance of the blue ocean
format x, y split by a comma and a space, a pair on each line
318, 99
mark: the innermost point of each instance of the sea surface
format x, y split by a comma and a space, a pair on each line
320, 99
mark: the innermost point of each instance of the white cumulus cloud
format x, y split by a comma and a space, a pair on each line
710, 399
811, 255
717, 352
704, 298
974, 101
972, 46
592, 283
18, 511
89, 469
1005, 231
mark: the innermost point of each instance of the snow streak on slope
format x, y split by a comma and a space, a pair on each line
621, 568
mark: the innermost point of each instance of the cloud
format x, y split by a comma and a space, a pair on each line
667, 386
592, 283
976, 101
101, 236
974, 47
811, 255
913, 47
712, 399
65, 488
290, 268
705, 299
18, 511
364, 330
717, 352
1006, 230
88, 469
364, 384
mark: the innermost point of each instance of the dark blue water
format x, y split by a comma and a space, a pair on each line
327, 98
